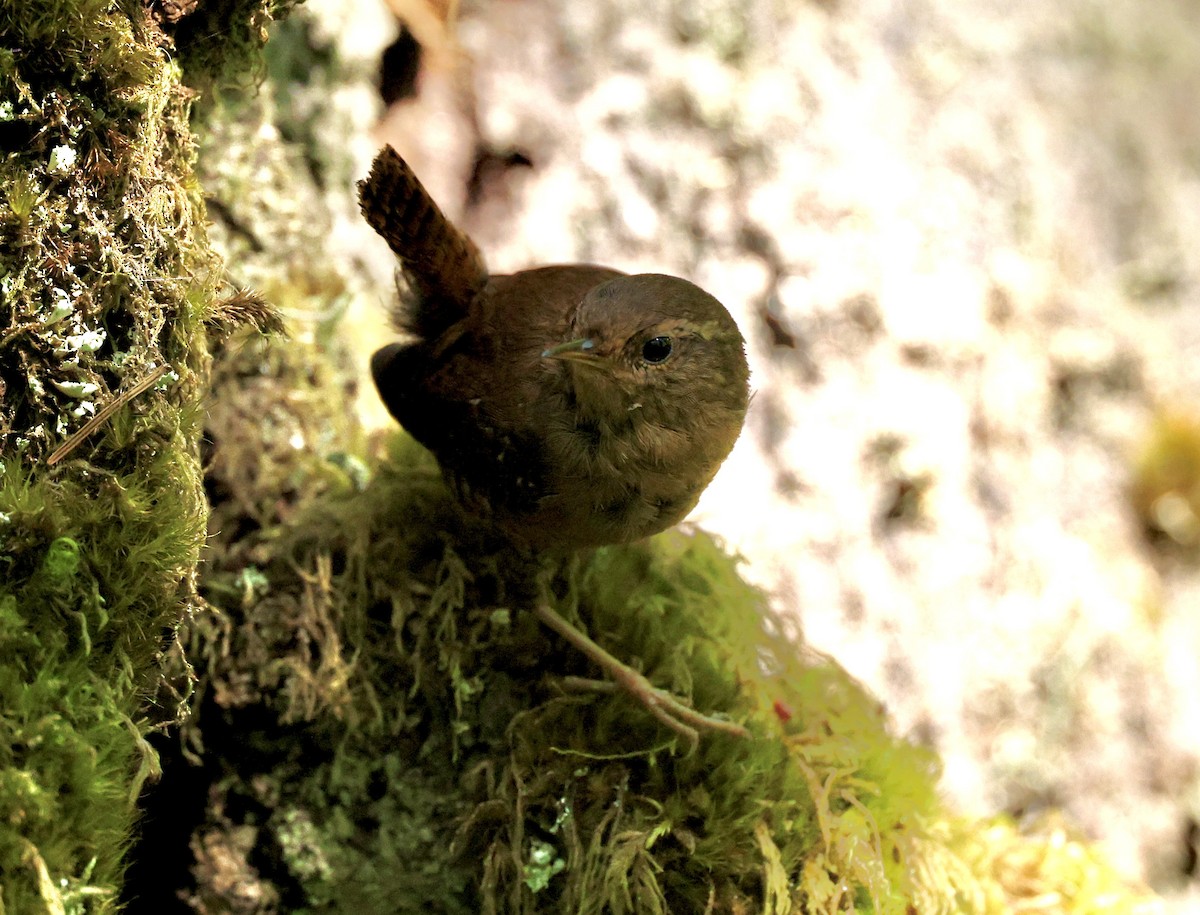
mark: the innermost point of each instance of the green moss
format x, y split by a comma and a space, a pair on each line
95, 574
66, 754
440, 757
105, 279
219, 44
1165, 489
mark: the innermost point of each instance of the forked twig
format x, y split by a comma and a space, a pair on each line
670, 711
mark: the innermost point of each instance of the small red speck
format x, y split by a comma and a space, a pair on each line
782, 710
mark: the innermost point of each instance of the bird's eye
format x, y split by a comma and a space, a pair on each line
656, 350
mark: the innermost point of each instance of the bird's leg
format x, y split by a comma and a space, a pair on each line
672, 712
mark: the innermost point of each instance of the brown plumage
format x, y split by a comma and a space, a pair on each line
574, 405
443, 268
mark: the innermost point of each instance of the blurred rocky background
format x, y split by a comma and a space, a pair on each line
963, 241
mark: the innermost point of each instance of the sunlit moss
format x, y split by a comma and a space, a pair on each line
444, 759
1043, 868
1166, 478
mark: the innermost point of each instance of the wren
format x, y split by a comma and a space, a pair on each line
573, 406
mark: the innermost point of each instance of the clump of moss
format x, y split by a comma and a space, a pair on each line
406, 630
1166, 478
106, 278
1042, 867
219, 42
408, 738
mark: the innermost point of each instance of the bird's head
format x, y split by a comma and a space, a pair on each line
660, 347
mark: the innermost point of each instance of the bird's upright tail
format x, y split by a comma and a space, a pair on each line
441, 264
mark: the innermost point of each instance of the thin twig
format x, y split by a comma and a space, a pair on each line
109, 409
672, 712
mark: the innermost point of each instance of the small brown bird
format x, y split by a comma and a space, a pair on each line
575, 406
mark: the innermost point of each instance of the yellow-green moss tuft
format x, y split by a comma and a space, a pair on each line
105, 279
1166, 478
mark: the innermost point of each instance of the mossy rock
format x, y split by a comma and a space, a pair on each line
408, 738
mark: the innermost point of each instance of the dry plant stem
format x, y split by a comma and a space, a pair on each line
672, 712
100, 418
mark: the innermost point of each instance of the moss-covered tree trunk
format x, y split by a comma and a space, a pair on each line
105, 279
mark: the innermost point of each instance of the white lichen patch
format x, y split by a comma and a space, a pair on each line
77, 389
60, 307
62, 160
86, 342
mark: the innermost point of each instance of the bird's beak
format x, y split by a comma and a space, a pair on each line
581, 352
